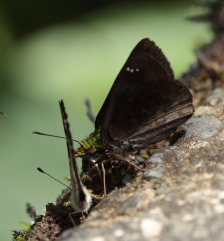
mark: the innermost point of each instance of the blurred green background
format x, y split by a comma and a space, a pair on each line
72, 50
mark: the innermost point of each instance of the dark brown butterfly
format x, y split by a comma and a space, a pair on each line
144, 106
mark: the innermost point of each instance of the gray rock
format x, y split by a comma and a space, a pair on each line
216, 96
203, 127
157, 158
161, 190
127, 179
156, 172
140, 158
181, 200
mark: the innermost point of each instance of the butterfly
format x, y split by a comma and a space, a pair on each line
144, 106
80, 197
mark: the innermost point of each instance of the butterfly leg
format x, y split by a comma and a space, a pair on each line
104, 179
81, 217
70, 215
90, 114
102, 175
99, 171
122, 158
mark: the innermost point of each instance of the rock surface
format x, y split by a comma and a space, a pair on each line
179, 197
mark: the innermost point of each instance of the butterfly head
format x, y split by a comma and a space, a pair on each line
90, 145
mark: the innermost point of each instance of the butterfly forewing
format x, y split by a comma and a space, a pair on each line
145, 103
80, 197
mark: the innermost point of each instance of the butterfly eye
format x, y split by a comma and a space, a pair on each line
92, 150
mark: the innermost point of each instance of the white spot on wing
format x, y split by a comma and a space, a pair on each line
132, 70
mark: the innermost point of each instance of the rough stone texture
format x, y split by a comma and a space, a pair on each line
179, 197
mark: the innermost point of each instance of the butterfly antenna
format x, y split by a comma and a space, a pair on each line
2, 113
41, 170
89, 113
43, 134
